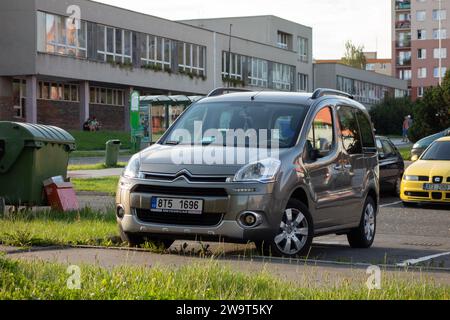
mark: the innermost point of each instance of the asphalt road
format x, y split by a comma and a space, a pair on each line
418, 237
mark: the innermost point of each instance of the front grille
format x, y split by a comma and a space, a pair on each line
417, 194
177, 191
204, 179
424, 179
448, 179
203, 220
448, 195
437, 196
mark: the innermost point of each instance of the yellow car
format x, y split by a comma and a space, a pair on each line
428, 179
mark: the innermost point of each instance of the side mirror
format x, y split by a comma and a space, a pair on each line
381, 156
314, 154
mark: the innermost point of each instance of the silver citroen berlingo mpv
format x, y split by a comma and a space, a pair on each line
214, 176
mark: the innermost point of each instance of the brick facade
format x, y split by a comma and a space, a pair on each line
6, 109
61, 114
111, 117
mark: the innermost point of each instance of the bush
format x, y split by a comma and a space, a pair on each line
89, 141
389, 115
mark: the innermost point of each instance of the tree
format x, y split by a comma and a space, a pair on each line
354, 56
388, 116
431, 113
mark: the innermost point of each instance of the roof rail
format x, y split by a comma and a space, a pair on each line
330, 92
222, 91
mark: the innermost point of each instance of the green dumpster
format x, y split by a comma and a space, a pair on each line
29, 155
112, 153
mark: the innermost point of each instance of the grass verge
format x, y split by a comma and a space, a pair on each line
85, 227
103, 185
406, 153
89, 141
205, 281
98, 166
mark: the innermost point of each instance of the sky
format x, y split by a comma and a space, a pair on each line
364, 22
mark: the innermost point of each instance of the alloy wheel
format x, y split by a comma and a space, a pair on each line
369, 222
294, 232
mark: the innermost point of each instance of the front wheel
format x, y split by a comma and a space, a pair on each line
364, 236
295, 234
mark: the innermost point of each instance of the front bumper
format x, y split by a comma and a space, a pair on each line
414, 192
223, 204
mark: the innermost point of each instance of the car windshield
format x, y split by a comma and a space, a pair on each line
264, 124
438, 151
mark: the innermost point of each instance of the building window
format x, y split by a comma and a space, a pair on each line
421, 15
58, 91
283, 76
303, 49
115, 45
370, 67
422, 53
233, 68
420, 91
192, 58
107, 96
62, 35
258, 72
157, 51
405, 75
439, 34
440, 53
303, 82
284, 40
422, 73
442, 73
439, 15
19, 96
422, 34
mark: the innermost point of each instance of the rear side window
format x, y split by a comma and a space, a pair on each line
388, 149
368, 139
321, 136
351, 136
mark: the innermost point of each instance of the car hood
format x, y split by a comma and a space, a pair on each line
166, 160
429, 168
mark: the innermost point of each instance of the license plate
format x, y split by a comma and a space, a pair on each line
176, 205
436, 187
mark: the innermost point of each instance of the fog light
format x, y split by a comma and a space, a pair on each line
250, 219
120, 212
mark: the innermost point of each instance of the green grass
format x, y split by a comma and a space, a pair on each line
103, 185
98, 166
43, 228
91, 141
21, 280
406, 153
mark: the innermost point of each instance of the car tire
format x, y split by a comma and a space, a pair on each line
364, 236
397, 187
294, 236
136, 241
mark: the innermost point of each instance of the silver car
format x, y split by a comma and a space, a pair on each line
315, 173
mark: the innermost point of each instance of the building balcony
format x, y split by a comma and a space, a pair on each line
403, 44
402, 5
402, 62
403, 25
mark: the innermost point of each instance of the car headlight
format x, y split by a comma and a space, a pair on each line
132, 170
263, 171
411, 178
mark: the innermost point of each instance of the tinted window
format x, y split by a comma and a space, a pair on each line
368, 139
282, 122
321, 135
351, 137
388, 149
438, 151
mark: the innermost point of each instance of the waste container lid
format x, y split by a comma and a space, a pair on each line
15, 136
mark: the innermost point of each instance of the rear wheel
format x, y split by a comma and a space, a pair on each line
364, 236
295, 234
137, 241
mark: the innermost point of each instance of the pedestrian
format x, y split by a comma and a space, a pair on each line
406, 126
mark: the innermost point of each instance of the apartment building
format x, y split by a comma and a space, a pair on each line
420, 42
62, 63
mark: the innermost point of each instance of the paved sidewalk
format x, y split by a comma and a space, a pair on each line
94, 160
88, 174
